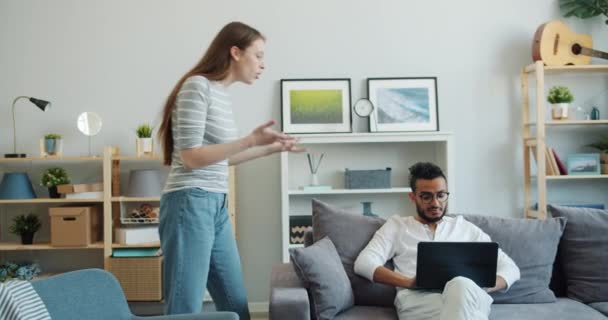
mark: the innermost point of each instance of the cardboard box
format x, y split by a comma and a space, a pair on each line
140, 278
75, 226
75, 188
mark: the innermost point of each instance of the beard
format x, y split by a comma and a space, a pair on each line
422, 214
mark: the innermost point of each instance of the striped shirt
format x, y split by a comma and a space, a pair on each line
19, 301
202, 116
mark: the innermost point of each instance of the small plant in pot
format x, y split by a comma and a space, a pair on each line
144, 140
25, 226
602, 146
53, 177
51, 143
560, 98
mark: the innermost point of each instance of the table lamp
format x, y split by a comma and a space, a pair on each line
42, 104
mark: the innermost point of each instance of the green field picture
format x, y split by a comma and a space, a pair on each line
316, 106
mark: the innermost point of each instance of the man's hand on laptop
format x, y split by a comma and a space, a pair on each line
500, 285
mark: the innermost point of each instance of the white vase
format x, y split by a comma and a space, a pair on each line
145, 146
559, 111
314, 180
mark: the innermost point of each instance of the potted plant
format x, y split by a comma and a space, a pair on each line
144, 140
560, 97
25, 226
53, 177
602, 146
584, 9
51, 143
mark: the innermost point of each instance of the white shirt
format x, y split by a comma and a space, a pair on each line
398, 239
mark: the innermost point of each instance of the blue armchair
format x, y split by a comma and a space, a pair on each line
95, 294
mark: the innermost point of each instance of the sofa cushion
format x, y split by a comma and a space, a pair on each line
368, 313
562, 309
532, 244
350, 232
584, 252
601, 307
319, 267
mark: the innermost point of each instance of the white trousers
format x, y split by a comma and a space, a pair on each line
461, 299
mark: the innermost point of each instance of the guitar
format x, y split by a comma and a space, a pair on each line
556, 45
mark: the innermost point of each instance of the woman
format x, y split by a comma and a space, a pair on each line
199, 140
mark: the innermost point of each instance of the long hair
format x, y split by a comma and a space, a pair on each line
214, 65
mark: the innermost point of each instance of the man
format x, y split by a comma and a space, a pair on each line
398, 239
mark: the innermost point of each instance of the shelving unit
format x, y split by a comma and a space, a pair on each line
535, 133
111, 203
359, 151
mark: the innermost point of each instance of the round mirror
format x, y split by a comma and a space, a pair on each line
89, 123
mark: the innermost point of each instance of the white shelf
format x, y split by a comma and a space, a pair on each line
28, 159
373, 137
571, 123
348, 191
49, 200
578, 177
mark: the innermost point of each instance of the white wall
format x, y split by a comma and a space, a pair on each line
121, 58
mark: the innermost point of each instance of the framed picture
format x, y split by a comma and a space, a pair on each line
403, 104
584, 164
315, 105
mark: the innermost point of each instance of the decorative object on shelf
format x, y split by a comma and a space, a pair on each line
298, 226
144, 214
315, 105
367, 179
404, 104
89, 123
53, 177
25, 226
367, 209
144, 142
595, 114
555, 44
365, 109
559, 97
602, 146
42, 105
51, 145
16, 185
145, 183
583, 9
25, 271
583, 164
313, 165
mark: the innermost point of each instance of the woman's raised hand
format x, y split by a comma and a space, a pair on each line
264, 135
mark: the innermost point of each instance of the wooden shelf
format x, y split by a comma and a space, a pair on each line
578, 177
8, 246
50, 159
571, 123
563, 69
143, 245
135, 199
49, 200
349, 191
136, 158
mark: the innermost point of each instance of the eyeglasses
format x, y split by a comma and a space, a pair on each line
427, 197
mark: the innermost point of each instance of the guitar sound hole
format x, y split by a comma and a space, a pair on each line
576, 48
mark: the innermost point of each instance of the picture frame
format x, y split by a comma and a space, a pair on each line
583, 164
316, 106
403, 104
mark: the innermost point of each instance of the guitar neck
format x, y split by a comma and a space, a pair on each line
594, 53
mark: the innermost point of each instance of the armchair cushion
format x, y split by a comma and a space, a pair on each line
532, 244
584, 252
350, 232
319, 267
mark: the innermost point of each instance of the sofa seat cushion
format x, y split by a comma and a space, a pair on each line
350, 232
368, 313
319, 267
562, 309
532, 244
601, 307
583, 252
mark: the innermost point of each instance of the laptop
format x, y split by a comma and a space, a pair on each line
439, 262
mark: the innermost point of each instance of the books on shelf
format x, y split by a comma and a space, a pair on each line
554, 166
136, 252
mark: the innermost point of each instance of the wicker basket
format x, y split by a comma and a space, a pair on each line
140, 278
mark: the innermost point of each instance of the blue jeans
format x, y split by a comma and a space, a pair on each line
200, 252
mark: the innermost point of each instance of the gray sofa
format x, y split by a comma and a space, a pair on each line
550, 288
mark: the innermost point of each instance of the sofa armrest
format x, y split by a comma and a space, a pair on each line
288, 297
198, 316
